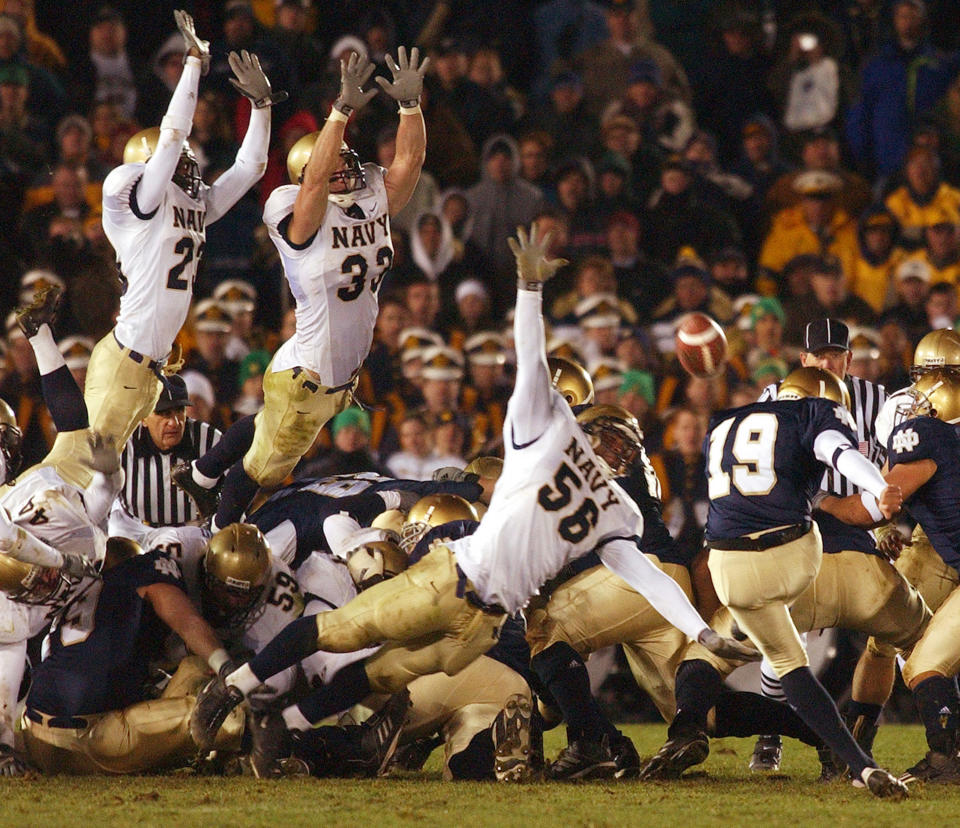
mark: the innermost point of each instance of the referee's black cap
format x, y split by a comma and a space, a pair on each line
826, 333
174, 394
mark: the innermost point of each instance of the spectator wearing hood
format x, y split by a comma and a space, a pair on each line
107, 71
156, 85
564, 115
878, 255
574, 187
759, 163
692, 291
621, 140
922, 195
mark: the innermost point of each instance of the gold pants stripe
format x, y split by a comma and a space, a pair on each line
427, 627
295, 408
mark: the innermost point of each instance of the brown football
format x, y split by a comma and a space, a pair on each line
701, 345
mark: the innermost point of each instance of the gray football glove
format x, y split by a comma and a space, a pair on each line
252, 81
727, 647
452, 474
191, 41
77, 567
407, 81
533, 267
104, 456
354, 73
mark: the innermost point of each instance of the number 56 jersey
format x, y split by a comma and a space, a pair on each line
551, 505
761, 468
334, 277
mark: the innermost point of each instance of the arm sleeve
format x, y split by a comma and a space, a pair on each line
531, 403
174, 129
22, 546
100, 494
834, 449
664, 594
247, 170
344, 533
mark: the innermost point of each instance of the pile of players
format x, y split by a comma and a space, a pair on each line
459, 610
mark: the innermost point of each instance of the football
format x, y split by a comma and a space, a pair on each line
701, 345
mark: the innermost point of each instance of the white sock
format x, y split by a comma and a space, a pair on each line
12, 663
295, 719
45, 348
201, 479
244, 680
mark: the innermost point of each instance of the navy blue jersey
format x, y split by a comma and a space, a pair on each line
761, 469
656, 539
936, 504
842, 537
102, 644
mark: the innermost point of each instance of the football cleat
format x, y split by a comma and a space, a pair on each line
830, 768
583, 759
381, 732
206, 500
884, 785
511, 740
270, 743
625, 757
935, 768
679, 753
12, 764
767, 753
413, 755
213, 705
41, 311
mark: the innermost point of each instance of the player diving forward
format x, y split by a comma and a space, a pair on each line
331, 227
552, 504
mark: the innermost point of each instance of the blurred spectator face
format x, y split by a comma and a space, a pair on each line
440, 395
798, 281
66, 229
455, 209
729, 272
485, 378
606, 396
622, 139
423, 303
9, 44
942, 308
200, 408
171, 68
688, 433
13, 100
533, 159
922, 172
450, 67
817, 209
743, 395
737, 42
67, 186
572, 190
93, 233
757, 146
386, 151
166, 428
289, 325
242, 323
485, 68
292, 17
605, 337
74, 144
866, 368
908, 23
821, 153
700, 153
212, 346
635, 403
566, 97
377, 39
893, 342
941, 240
828, 288
912, 292
643, 94
591, 280
690, 292
612, 184
238, 29
559, 231
428, 228
108, 37
623, 240
768, 332
632, 353
473, 308
448, 439
701, 393
105, 119
391, 319
414, 437
833, 359
351, 438
500, 167
878, 240
21, 354
675, 182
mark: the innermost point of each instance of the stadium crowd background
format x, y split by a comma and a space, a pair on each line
765, 162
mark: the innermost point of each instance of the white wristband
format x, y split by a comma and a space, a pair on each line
870, 503
410, 110
337, 115
217, 659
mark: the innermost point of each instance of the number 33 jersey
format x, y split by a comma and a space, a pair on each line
551, 505
157, 253
761, 467
334, 277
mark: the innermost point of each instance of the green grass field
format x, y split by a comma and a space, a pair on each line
723, 793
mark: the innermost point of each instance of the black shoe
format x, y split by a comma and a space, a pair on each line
511, 741
829, 767
766, 754
884, 785
413, 755
213, 705
12, 764
271, 742
41, 311
679, 753
206, 500
935, 768
381, 732
863, 732
625, 757
583, 759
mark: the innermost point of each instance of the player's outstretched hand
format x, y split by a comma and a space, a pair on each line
533, 266
104, 456
191, 41
890, 501
252, 81
889, 541
453, 474
78, 567
354, 73
407, 81
727, 647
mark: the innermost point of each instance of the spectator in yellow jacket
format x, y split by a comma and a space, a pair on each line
923, 196
878, 254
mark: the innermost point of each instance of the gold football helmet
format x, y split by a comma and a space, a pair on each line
11, 442
571, 380
391, 520
236, 568
814, 382
120, 549
350, 176
937, 394
938, 349
430, 511
375, 562
615, 435
32, 584
142, 145
489, 467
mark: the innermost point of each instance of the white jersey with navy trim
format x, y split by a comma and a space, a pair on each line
334, 277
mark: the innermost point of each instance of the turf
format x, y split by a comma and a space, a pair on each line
723, 793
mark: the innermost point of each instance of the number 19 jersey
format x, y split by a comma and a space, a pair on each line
334, 277
551, 505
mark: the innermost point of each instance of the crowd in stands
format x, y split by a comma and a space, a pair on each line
764, 162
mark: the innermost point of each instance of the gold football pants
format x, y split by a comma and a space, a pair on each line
597, 608
295, 408
425, 625
146, 736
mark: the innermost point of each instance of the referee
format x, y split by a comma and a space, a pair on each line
164, 438
827, 345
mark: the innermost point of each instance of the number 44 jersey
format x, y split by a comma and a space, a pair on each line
761, 468
334, 277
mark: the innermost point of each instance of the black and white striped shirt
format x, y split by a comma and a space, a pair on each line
866, 398
148, 492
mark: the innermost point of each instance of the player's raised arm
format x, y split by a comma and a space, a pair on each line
837, 448
406, 87
531, 407
311, 204
251, 82
176, 124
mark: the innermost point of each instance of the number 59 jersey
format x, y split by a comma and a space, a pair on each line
334, 277
551, 505
761, 467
